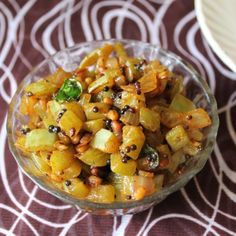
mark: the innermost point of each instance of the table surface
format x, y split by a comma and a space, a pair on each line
32, 30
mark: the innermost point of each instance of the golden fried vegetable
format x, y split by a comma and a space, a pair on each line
72, 171
40, 140
58, 77
76, 108
69, 121
92, 58
27, 105
41, 88
94, 157
76, 187
105, 141
128, 167
108, 79
195, 134
177, 138
130, 99
132, 135
61, 160
181, 103
149, 119
96, 110
175, 160
41, 163
102, 194
94, 126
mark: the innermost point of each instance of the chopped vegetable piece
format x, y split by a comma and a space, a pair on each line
77, 188
42, 164
61, 160
108, 79
76, 108
102, 194
176, 159
149, 119
181, 103
73, 170
105, 141
70, 121
40, 140
69, 91
132, 135
94, 157
102, 109
119, 167
94, 126
177, 138
41, 88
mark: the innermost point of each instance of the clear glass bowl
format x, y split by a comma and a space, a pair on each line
197, 90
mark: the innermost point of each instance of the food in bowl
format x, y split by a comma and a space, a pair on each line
117, 128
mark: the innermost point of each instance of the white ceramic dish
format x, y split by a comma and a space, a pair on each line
217, 19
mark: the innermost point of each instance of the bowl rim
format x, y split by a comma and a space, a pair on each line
85, 204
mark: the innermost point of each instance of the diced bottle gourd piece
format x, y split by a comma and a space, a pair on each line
93, 126
123, 186
77, 188
145, 182
84, 99
40, 140
93, 56
148, 82
58, 77
90, 59
120, 51
177, 138
118, 167
132, 135
108, 79
102, 194
76, 108
132, 99
61, 160
94, 157
192, 148
196, 119
40, 108
41, 88
27, 105
181, 103
149, 119
70, 120
54, 108
130, 118
176, 159
41, 163
73, 170
102, 109
49, 120
105, 141
195, 134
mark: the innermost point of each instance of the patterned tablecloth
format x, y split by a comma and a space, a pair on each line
32, 30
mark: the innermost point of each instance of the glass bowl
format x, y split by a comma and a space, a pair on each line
197, 90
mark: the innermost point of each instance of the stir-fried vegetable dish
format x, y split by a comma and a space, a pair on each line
118, 128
